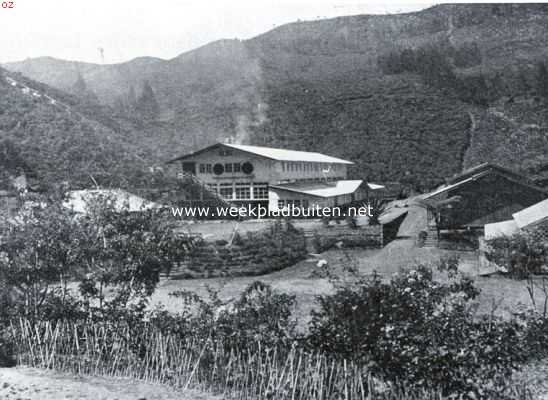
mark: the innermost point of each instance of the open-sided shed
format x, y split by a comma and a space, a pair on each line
485, 194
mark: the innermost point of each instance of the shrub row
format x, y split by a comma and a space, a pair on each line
408, 337
254, 254
365, 237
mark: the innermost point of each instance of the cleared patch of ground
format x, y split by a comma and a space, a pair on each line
302, 280
32, 384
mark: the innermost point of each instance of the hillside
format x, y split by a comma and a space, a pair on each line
55, 137
413, 97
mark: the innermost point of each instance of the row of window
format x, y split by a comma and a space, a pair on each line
313, 180
206, 169
309, 167
241, 191
228, 168
286, 167
290, 203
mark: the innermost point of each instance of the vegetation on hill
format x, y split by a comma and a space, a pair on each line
57, 138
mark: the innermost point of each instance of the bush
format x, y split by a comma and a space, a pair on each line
114, 256
260, 315
413, 330
7, 351
520, 255
255, 253
535, 335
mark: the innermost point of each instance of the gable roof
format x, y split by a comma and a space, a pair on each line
486, 167
532, 215
325, 189
273, 153
479, 171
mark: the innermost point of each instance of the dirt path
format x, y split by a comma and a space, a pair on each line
32, 384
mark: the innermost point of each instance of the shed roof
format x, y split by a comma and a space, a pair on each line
274, 154
322, 189
392, 214
532, 215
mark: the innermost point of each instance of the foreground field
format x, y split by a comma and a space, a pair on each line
498, 293
306, 280
31, 384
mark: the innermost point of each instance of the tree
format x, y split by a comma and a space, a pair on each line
543, 80
12, 162
521, 254
108, 249
132, 97
80, 89
38, 255
147, 106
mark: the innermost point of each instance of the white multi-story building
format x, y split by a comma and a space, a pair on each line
275, 177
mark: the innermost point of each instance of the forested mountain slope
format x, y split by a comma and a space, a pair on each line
43, 133
412, 97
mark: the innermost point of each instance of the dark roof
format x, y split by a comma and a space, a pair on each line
487, 167
481, 170
194, 153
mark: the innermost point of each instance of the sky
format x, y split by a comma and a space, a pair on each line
111, 31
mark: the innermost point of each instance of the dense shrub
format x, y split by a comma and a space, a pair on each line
115, 258
322, 242
7, 350
259, 315
416, 330
256, 253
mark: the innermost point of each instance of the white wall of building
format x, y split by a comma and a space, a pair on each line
265, 172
